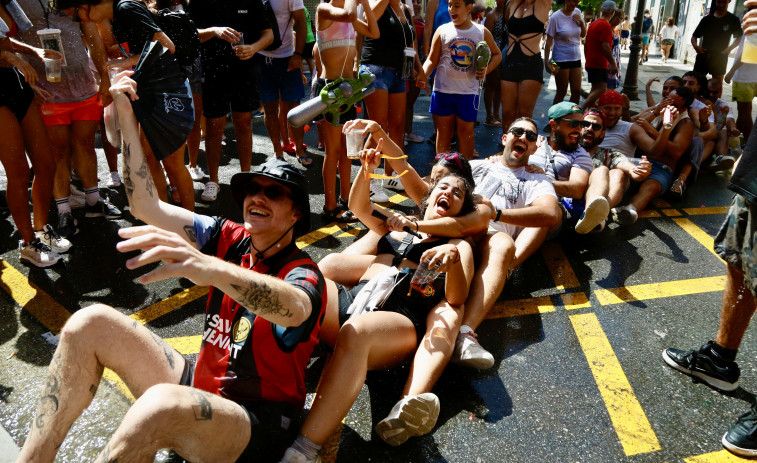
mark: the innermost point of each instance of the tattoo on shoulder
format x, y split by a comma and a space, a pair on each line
167, 350
260, 299
202, 409
190, 231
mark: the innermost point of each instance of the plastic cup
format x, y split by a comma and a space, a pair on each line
749, 53
354, 140
52, 69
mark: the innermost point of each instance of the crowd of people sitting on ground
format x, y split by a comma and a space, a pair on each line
479, 219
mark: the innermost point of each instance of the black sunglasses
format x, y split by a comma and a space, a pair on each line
573, 123
593, 125
272, 192
519, 131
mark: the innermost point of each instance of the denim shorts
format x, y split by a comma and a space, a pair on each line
662, 174
387, 78
276, 83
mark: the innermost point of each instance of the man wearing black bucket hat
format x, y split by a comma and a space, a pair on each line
264, 311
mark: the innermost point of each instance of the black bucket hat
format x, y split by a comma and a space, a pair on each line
284, 173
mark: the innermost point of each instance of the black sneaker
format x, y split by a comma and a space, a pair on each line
741, 439
706, 365
67, 225
102, 208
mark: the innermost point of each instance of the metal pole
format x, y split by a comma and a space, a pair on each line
631, 82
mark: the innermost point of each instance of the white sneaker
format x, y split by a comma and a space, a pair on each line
624, 215
377, 192
468, 352
596, 211
411, 416
37, 253
394, 184
50, 237
115, 180
210, 193
414, 138
196, 173
294, 456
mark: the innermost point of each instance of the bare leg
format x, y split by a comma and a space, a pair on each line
271, 119
599, 183
179, 176
243, 130
737, 310
618, 184
377, 104
334, 147
597, 89
83, 151
528, 93
575, 85
509, 96
496, 252
465, 138
94, 338
561, 84
60, 143
744, 119
17, 172
397, 103
193, 142
527, 243
296, 133
44, 162
111, 152
648, 190
213, 138
444, 126
156, 170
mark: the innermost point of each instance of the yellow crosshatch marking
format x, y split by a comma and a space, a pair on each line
35, 301
631, 424
559, 267
706, 210
531, 306
698, 234
658, 290
169, 304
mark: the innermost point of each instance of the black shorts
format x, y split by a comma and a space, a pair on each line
713, 63
597, 75
15, 92
569, 64
349, 115
307, 51
229, 86
519, 68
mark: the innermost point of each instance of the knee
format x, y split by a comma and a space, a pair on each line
88, 321
158, 409
329, 265
501, 248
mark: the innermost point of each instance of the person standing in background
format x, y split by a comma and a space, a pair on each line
565, 30
715, 30
668, 34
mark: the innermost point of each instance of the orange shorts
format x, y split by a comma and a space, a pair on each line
64, 113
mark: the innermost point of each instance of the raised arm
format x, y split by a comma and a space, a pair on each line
369, 26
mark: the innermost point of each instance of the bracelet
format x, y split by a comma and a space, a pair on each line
298, 54
499, 214
457, 252
415, 221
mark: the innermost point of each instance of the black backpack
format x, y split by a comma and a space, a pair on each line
274, 26
182, 32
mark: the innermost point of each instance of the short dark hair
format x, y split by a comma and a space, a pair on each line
469, 204
686, 94
524, 118
677, 79
462, 170
701, 80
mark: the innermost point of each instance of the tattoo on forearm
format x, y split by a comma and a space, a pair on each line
190, 231
144, 173
202, 409
167, 350
260, 299
105, 456
128, 183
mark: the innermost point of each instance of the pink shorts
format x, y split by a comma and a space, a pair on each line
64, 113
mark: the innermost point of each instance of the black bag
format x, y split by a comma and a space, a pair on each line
274, 26
182, 32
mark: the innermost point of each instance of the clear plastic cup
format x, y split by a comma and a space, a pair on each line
52, 69
749, 52
354, 140
424, 277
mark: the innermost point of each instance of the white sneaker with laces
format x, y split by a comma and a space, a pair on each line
377, 192
37, 253
210, 193
412, 416
394, 184
468, 352
196, 173
115, 180
50, 237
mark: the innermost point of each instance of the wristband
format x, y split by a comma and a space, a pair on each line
298, 54
415, 221
499, 214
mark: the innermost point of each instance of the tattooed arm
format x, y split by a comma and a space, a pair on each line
140, 189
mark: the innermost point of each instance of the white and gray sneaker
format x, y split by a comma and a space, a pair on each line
115, 180
37, 253
50, 237
468, 352
594, 213
412, 416
624, 215
377, 192
196, 173
394, 184
210, 193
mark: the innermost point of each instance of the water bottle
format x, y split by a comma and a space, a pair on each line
423, 278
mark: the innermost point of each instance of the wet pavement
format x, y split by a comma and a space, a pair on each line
577, 333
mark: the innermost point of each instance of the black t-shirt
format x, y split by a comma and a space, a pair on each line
389, 48
245, 16
133, 25
716, 32
744, 179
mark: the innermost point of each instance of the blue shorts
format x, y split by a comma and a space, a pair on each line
465, 107
662, 174
276, 83
386, 78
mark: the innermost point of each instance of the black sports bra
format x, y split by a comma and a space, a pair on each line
406, 249
517, 28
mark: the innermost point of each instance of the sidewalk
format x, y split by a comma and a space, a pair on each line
8, 448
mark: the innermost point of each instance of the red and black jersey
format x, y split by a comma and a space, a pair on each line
244, 357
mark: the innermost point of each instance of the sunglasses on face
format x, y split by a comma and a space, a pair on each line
519, 131
596, 127
272, 192
452, 158
573, 123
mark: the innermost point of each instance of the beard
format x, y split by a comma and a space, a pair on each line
588, 146
562, 142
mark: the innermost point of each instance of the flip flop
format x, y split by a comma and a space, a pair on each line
305, 161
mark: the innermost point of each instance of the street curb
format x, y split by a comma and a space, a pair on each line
8, 449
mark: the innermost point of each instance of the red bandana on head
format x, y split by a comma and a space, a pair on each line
610, 97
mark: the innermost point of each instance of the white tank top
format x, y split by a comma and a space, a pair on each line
619, 138
456, 72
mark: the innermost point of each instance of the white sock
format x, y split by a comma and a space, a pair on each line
63, 205
306, 447
92, 195
466, 329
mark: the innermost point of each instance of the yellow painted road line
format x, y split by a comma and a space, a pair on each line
32, 299
319, 234
520, 307
659, 290
573, 301
722, 456
169, 304
185, 344
110, 375
649, 214
672, 212
706, 210
559, 267
630, 423
698, 234
660, 203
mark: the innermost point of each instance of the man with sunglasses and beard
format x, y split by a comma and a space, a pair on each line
566, 164
265, 306
611, 176
524, 206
